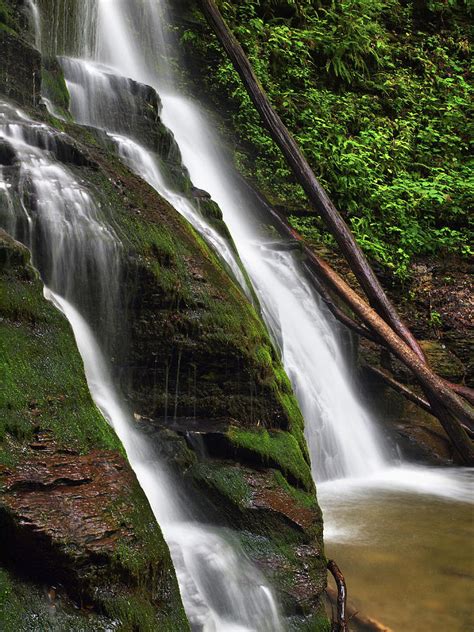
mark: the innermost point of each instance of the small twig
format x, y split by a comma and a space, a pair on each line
341, 624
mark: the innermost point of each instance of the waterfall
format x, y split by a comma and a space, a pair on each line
342, 438
221, 590
36, 21
54, 215
117, 45
78, 255
102, 99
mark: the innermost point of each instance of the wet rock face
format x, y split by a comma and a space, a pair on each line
417, 434
193, 349
20, 69
124, 106
181, 364
62, 510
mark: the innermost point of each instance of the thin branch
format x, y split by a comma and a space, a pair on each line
341, 624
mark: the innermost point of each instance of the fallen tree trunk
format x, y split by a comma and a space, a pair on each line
341, 316
402, 389
305, 176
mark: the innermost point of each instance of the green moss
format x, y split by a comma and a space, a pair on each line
318, 622
46, 389
43, 387
146, 561
278, 447
42, 377
280, 547
9, 606
136, 613
303, 498
53, 86
25, 607
227, 480
8, 20
148, 547
263, 356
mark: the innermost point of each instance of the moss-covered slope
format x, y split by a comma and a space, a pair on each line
74, 524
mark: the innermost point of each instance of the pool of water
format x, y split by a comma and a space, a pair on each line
404, 541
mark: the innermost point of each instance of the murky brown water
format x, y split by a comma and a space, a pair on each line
408, 557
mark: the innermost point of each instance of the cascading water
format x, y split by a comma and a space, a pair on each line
342, 439
36, 21
210, 570
101, 99
78, 256
79, 259
46, 205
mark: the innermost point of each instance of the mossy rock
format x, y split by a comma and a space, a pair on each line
109, 554
442, 361
193, 347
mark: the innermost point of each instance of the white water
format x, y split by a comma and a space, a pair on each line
55, 216
343, 440
100, 99
36, 21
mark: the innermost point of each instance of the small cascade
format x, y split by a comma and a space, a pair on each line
36, 21
46, 205
222, 591
121, 106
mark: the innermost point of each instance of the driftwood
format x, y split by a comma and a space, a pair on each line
340, 625
381, 323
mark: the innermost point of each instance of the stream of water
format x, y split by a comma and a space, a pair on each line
397, 532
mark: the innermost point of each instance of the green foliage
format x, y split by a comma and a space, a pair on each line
7, 17
435, 319
376, 93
